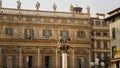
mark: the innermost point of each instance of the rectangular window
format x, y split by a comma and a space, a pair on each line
98, 44
47, 61
104, 23
9, 31
64, 33
29, 61
113, 32
92, 23
81, 34
105, 44
92, 33
98, 33
29, 33
79, 63
113, 51
47, 33
105, 34
97, 23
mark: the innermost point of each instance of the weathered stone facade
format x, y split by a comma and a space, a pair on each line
24, 44
114, 20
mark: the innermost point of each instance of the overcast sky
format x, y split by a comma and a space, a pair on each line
101, 6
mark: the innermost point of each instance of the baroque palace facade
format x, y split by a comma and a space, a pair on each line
29, 38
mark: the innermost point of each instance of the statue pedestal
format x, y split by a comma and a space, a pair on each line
64, 60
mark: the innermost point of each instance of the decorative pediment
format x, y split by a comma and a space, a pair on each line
29, 50
9, 50
47, 52
82, 51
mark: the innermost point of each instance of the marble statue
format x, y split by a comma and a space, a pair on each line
18, 4
88, 9
37, 5
54, 7
71, 7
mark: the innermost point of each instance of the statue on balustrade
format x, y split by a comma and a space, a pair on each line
37, 5
0, 3
71, 7
54, 7
18, 4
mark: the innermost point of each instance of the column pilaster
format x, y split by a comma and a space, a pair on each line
56, 51
20, 57
38, 53
73, 57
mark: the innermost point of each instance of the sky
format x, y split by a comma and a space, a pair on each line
96, 6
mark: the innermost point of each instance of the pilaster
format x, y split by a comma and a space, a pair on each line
20, 57
56, 57
38, 53
73, 57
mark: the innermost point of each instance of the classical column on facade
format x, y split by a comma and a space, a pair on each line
73, 57
64, 47
20, 57
95, 44
56, 51
38, 54
0, 58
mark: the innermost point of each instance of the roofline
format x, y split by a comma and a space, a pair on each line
113, 10
111, 16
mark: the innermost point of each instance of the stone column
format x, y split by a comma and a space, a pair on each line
102, 44
0, 58
64, 60
73, 57
38, 57
20, 57
56, 57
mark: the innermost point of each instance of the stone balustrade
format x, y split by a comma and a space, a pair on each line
44, 13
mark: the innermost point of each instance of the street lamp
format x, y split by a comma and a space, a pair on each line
96, 63
92, 64
64, 45
102, 64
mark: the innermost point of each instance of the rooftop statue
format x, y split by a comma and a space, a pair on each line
54, 7
18, 4
71, 7
37, 5
88, 9
0, 3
